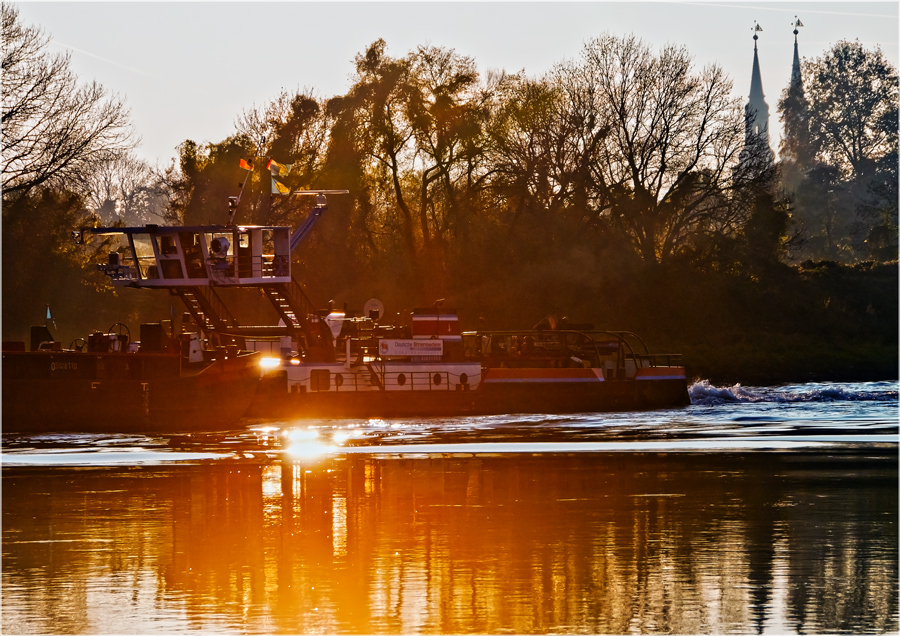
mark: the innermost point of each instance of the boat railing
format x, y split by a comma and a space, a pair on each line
660, 360
418, 381
120, 272
325, 380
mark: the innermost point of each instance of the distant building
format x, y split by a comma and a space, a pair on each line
796, 79
795, 142
757, 112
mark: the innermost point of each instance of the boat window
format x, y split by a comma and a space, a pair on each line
276, 256
166, 245
221, 253
319, 380
193, 254
475, 344
143, 249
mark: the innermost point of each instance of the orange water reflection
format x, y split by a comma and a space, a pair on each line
615, 543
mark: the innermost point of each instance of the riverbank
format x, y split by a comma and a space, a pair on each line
815, 322
812, 322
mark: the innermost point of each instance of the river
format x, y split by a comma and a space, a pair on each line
763, 510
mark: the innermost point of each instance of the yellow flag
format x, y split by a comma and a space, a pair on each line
279, 188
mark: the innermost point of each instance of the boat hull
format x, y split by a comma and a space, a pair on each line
563, 397
123, 392
272, 402
498, 392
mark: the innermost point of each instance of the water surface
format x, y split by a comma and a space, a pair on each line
764, 510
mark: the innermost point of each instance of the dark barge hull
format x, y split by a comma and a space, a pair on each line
273, 401
614, 395
123, 392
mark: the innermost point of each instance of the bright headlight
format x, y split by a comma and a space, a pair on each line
270, 363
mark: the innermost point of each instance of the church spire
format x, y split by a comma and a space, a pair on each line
795, 146
757, 108
795, 69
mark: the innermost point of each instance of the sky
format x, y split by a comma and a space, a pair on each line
188, 70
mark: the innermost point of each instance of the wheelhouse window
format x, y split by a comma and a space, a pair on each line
146, 259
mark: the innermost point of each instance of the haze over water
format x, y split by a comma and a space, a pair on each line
754, 510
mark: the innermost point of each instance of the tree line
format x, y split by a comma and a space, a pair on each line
492, 190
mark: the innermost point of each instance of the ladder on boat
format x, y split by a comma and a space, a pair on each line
208, 311
291, 303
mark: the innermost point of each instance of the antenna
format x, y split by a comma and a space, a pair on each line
234, 201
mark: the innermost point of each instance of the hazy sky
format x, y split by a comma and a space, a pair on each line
188, 70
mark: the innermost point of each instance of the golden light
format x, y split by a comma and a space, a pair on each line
301, 434
269, 363
303, 443
341, 436
310, 449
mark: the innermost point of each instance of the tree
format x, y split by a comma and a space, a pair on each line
446, 111
373, 114
541, 152
123, 188
666, 169
54, 130
208, 174
852, 106
293, 131
846, 195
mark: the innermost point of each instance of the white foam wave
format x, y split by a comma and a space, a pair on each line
703, 393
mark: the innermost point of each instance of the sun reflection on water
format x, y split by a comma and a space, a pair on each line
305, 444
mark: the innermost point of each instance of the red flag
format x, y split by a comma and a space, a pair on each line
276, 168
245, 165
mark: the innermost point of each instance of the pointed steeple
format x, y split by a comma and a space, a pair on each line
796, 145
795, 69
757, 108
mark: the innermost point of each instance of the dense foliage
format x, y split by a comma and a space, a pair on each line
840, 154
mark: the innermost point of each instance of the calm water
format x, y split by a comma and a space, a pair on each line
753, 511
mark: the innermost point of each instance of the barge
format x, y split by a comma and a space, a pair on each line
108, 383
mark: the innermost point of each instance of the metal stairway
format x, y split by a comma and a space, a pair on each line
291, 303
208, 311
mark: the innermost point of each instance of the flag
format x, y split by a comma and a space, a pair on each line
279, 188
277, 169
246, 165
757, 28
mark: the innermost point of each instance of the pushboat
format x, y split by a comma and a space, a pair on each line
314, 362
433, 369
